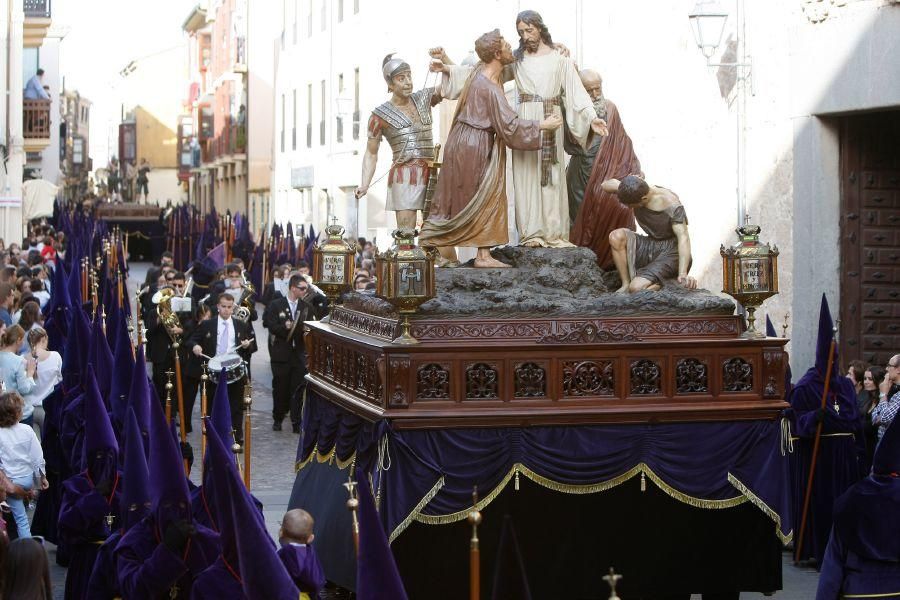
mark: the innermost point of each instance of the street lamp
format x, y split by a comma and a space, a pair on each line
707, 21
708, 24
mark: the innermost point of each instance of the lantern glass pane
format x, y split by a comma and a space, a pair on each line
755, 275
411, 278
333, 268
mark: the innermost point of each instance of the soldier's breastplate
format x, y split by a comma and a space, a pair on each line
410, 139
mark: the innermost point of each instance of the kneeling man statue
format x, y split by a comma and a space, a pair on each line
644, 261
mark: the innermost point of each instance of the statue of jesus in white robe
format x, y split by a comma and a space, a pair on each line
546, 83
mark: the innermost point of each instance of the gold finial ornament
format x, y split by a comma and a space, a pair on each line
353, 507
474, 519
612, 579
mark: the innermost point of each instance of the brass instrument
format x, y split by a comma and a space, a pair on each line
245, 308
170, 320
163, 301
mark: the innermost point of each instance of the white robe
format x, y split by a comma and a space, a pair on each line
542, 213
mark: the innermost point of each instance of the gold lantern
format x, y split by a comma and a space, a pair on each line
750, 273
405, 278
334, 263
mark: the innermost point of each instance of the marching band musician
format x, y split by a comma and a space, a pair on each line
284, 318
161, 354
218, 337
160, 349
232, 283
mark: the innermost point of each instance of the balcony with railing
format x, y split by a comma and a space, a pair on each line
36, 124
231, 144
37, 22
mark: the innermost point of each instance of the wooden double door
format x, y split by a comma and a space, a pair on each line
870, 237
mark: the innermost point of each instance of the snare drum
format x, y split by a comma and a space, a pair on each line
235, 368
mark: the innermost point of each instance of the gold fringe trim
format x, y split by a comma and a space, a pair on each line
459, 516
591, 488
886, 595
758, 503
418, 508
328, 457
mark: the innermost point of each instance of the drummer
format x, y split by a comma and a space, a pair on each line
222, 338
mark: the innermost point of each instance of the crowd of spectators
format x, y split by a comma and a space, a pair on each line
28, 373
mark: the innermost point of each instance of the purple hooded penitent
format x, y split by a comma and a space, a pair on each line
171, 498
100, 447
136, 485
377, 576
139, 398
246, 545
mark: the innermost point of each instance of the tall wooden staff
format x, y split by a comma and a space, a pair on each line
265, 253
176, 344
84, 280
815, 452
474, 520
248, 400
203, 379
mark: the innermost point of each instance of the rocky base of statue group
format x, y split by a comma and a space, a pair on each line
545, 282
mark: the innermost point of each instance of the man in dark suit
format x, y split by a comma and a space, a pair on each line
284, 319
162, 355
218, 336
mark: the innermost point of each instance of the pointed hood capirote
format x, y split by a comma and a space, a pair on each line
221, 413
123, 372
168, 484
135, 503
101, 357
139, 396
100, 447
823, 341
246, 545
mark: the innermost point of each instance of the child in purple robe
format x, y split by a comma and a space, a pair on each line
297, 554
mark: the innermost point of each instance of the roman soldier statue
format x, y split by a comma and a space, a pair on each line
405, 122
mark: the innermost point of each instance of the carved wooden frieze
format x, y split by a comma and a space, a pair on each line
737, 375
691, 376
380, 327
433, 382
502, 330
482, 381
645, 377
530, 380
586, 333
573, 331
397, 380
588, 378
774, 370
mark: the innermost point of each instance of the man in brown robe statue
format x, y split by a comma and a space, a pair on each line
469, 204
644, 261
601, 212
